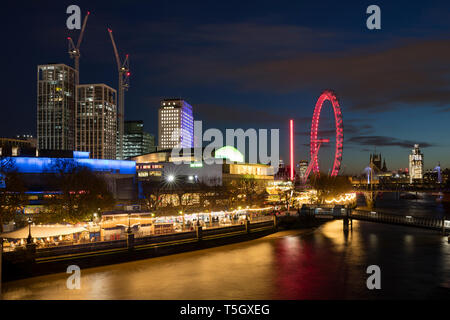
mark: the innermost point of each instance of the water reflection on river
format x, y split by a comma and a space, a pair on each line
425, 204
314, 264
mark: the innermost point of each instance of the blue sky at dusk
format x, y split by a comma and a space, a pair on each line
254, 64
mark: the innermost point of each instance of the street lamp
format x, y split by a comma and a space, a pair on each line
29, 239
170, 178
129, 225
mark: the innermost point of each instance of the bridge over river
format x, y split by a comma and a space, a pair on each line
347, 215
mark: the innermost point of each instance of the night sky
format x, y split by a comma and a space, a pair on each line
254, 64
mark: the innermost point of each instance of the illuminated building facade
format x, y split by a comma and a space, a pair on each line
55, 107
415, 164
160, 165
175, 124
136, 141
37, 174
96, 121
302, 168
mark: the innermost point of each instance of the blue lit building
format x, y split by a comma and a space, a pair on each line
50, 165
175, 125
120, 175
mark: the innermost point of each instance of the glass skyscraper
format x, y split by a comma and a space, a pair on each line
136, 141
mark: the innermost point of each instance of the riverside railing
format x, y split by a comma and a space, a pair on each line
145, 237
424, 222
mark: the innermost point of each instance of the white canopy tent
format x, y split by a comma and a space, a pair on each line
42, 232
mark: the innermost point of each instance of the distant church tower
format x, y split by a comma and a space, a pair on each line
384, 169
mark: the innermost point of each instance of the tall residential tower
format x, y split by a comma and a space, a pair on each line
96, 121
175, 125
55, 107
415, 164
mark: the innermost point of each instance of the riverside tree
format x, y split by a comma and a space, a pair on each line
12, 192
328, 186
80, 193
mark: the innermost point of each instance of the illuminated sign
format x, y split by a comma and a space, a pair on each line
196, 165
230, 153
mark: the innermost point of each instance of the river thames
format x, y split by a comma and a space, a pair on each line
322, 263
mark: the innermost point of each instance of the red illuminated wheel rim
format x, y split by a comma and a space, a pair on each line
315, 142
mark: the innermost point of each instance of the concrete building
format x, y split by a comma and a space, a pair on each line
17, 146
136, 141
55, 107
96, 121
161, 166
415, 165
175, 124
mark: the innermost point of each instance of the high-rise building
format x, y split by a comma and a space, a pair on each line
96, 121
302, 168
55, 107
415, 164
175, 125
136, 141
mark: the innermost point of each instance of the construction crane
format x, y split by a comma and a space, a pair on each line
74, 51
124, 77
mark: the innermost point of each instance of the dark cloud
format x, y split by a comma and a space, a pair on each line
287, 59
242, 114
351, 127
413, 73
381, 141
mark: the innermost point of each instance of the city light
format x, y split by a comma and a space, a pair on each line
348, 197
171, 178
316, 142
291, 148
229, 153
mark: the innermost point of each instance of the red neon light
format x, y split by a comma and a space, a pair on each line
291, 147
315, 143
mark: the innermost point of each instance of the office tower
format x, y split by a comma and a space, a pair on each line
415, 164
175, 125
55, 107
96, 121
136, 141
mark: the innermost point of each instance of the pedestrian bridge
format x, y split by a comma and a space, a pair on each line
389, 218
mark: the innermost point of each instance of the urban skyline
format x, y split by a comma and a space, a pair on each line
317, 167
256, 102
